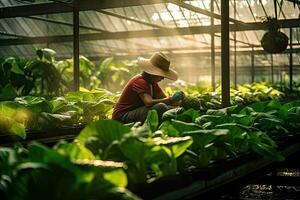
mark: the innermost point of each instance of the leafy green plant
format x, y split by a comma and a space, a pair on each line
15, 79
36, 113
115, 74
39, 172
21, 77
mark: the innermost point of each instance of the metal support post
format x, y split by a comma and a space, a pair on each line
252, 66
225, 64
212, 47
235, 63
291, 59
76, 48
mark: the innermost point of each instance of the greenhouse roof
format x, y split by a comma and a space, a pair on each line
130, 28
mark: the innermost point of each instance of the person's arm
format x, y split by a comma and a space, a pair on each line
160, 94
149, 101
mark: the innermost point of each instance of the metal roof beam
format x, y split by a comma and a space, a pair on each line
202, 11
58, 7
147, 33
294, 1
66, 23
12, 34
193, 54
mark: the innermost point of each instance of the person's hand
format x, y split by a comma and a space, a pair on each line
177, 96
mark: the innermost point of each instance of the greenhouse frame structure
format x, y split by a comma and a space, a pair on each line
196, 22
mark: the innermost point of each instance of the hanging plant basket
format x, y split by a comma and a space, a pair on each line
274, 42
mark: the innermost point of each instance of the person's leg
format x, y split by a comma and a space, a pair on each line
160, 109
136, 115
140, 114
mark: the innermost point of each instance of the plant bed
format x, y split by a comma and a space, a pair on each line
196, 182
183, 179
43, 136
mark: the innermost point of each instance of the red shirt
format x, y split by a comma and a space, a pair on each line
130, 99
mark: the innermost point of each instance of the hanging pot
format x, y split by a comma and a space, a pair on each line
274, 41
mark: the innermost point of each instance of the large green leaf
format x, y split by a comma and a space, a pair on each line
259, 106
182, 127
134, 149
46, 171
9, 108
234, 128
177, 145
40, 153
74, 150
188, 116
34, 104
57, 103
107, 130
201, 138
274, 104
172, 113
10, 126
167, 128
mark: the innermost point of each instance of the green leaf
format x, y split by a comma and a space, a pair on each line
201, 138
8, 92
246, 120
116, 177
18, 129
34, 104
134, 149
105, 65
9, 108
8, 158
172, 113
235, 128
74, 150
152, 120
40, 153
259, 106
220, 112
274, 104
107, 130
167, 128
182, 127
188, 116
247, 110
178, 145
207, 118
10, 126
57, 103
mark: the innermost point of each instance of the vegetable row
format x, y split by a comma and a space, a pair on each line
107, 156
74, 108
38, 113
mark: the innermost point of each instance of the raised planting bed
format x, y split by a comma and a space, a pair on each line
214, 180
46, 136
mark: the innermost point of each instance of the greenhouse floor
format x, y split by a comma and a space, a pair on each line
286, 185
264, 192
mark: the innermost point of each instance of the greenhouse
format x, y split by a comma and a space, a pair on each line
156, 99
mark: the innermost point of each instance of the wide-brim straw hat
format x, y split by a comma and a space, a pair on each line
158, 64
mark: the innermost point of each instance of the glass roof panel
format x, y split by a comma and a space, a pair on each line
147, 17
